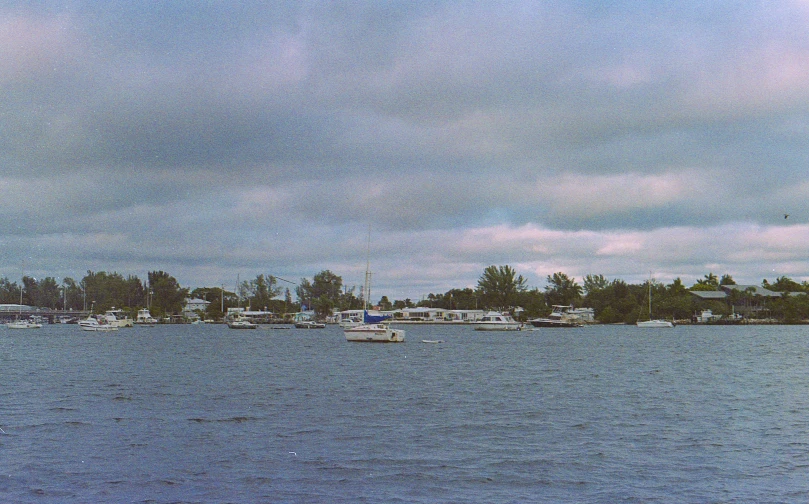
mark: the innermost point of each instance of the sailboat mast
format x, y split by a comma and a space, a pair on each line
22, 283
367, 286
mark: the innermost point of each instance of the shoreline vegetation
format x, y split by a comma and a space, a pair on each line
710, 300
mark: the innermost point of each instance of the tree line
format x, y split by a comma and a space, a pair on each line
498, 288
97, 292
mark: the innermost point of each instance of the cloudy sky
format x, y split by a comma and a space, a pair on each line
216, 139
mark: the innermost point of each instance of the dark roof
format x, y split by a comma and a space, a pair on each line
757, 290
710, 294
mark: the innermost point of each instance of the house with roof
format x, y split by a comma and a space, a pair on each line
749, 300
420, 314
191, 307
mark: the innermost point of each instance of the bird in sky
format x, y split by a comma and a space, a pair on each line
786, 216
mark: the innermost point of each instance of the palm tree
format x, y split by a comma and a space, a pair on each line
500, 285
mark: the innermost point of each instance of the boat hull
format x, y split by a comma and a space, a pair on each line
99, 328
24, 325
554, 323
655, 324
486, 326
310, 325
242, 325
374, 333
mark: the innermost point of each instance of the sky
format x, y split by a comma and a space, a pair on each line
222, 140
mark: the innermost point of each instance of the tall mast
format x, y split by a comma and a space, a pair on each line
367, 286
22, 283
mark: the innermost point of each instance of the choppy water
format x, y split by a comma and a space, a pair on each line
602, 414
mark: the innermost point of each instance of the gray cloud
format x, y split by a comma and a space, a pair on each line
217, 139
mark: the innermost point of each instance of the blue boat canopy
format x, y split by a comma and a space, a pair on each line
374, 319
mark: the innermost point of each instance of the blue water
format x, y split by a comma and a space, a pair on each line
601, 414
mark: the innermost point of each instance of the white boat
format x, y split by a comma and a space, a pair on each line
656, 323
309, 324
21, 323
561, 316
349, 318
496, 321
117, 318
241, 323
374, 333
373, 329
145, 318
24, 324
93, 324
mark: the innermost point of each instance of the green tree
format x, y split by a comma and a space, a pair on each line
104, 290
461, 299
385, 304
262, 291
74, 295
30, 291
168, 297
562, 290
499, 286
710, 282
594, 283
533, 302
48, 294
322, 294
9, 292
400, 304
623, 300
784, 284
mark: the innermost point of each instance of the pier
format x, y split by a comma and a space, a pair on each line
7, 313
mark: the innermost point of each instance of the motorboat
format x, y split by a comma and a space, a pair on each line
145, 318
309, 324
561, 316
352, 321
374, 333
350, 318
496, 321
28, 323
241, 323
117, 318
93, 324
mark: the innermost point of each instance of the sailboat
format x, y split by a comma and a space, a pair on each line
20, 323
657, 322
374, 329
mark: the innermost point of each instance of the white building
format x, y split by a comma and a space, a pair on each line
424, 314
192, 305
